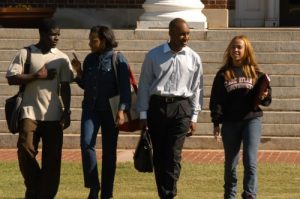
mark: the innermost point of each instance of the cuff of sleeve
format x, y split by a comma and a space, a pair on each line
10, 74
143, 115
76, 79
194, 118
123, 107
67, 111
216, 124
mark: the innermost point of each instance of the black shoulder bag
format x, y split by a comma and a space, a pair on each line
13, 104
143, 155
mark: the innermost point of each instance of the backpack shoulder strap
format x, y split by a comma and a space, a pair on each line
26, 67
133, 82
114, 63
28, 60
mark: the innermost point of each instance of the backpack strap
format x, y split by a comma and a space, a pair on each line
114, 63
133, 82
28, 60
26, 66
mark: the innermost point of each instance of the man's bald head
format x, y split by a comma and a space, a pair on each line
175, 23
179, 33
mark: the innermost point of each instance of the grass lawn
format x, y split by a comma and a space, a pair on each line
198, 181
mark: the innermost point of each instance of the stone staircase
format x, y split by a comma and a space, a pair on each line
277, 51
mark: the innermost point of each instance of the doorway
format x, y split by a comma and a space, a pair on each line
290, 13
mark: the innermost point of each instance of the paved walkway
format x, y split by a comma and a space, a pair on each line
192, 156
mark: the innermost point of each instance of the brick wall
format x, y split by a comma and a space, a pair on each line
212, 4
219, 4
77, 3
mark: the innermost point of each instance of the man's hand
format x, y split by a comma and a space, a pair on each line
216, 133
192, 129
45, 73
66, 119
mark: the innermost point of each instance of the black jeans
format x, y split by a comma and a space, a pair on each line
41, 181
168, 123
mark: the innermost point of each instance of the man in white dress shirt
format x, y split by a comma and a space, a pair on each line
169, 99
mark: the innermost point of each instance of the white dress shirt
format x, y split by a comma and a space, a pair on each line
168, 73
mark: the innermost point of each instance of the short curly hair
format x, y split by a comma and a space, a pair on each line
47, 25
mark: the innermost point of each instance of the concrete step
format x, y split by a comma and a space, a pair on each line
277, 52
78, 34
72, 141
276, 80
277, 104
145, 45
255, 34
277, 92
261, 34
208, 57
277, 130
211, 68
270, 117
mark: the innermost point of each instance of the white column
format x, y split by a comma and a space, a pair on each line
272, 13
158, 13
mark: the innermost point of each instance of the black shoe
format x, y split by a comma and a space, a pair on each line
94, 192
30, 195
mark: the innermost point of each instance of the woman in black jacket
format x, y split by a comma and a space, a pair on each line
99, 82
232, 105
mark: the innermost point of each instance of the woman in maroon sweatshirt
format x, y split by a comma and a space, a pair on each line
232, 105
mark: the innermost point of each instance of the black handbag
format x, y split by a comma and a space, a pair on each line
261, 86
143, 155
13, 104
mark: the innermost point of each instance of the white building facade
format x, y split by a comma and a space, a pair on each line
245, 13
201, 14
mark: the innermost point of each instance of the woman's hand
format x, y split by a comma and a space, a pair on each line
264, 95
120, 117
76, 66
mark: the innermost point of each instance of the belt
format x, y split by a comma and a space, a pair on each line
168, 99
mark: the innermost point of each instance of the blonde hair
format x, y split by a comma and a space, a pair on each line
249, 65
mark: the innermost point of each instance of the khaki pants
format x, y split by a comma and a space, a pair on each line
41, 181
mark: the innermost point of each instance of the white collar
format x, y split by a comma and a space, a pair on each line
168, 49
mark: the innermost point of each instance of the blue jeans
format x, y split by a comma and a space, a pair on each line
90, 124
233, 134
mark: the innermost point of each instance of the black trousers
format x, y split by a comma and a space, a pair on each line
168, 123
41, 181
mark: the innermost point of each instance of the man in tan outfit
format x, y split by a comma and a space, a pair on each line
44, 114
